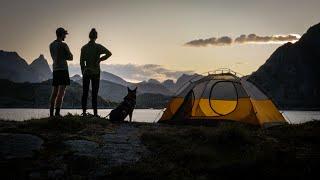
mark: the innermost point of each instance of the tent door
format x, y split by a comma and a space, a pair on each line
185, 109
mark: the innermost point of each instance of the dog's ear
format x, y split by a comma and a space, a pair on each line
129, 90
135, 89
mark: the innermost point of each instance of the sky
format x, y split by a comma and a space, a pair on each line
162, 37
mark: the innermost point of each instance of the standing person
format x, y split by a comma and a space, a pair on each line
60, 54
90, 59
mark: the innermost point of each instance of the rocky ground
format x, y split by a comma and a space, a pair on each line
74, 147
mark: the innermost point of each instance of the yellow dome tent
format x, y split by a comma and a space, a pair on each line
221, 95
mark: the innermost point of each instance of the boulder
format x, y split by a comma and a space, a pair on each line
19, 145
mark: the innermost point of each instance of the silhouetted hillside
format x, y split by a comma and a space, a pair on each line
291, 75
116, 92
113, 78
169, 84
15, 68
154, 81
152, 88
41, 68
182, 80
36, 95
157, 101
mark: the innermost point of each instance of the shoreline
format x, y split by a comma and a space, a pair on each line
80, 108
284, 109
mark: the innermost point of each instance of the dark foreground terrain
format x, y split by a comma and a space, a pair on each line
92, 148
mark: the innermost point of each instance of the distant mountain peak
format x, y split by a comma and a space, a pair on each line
41, 60
10, 54
41, 56
154, 81
314, 29
14, 68
113, 78
311, 39
76, 78
41, 68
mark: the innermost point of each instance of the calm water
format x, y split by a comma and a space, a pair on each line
296, 117
139, 115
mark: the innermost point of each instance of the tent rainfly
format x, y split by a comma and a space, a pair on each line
221, 96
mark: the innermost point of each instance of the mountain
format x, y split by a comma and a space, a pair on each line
15, 68
113, 78
153, 81
152, 88
291, 74
183, 79
109, 90
41, 68
76, 78
111, 84
113, 91
36, 95
169, 84
116, 92
157, 101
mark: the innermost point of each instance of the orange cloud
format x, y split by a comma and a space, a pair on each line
244, 39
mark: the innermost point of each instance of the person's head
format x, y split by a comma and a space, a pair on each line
93, 35
61, 33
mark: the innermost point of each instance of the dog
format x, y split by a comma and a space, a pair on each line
125, 108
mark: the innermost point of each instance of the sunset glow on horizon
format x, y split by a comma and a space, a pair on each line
140, 32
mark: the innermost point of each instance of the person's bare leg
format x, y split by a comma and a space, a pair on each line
53, 99
59, 100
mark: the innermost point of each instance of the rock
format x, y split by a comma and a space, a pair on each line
122, 147
56, 174
19, 145
118, 148
99, 173
35, 175
83, 147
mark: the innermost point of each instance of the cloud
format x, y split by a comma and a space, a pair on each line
244, 39
137, 73
222, 41
253, 38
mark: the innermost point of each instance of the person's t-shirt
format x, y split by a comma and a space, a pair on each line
60, 53
90, 57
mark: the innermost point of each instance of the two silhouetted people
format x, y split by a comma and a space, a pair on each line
91, 55
60, 54
90, 59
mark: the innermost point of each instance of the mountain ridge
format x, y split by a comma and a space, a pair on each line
290, 76
36, 95
13, 67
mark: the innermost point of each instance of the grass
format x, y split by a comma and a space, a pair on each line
226, 151
68, 123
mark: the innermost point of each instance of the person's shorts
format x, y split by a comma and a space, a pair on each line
60, 77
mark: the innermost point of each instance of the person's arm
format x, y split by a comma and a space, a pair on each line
106, 53
69, 56
82, 61
51, 52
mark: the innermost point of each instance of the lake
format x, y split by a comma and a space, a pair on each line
139, 115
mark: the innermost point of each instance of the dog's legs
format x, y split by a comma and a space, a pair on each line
130, 115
